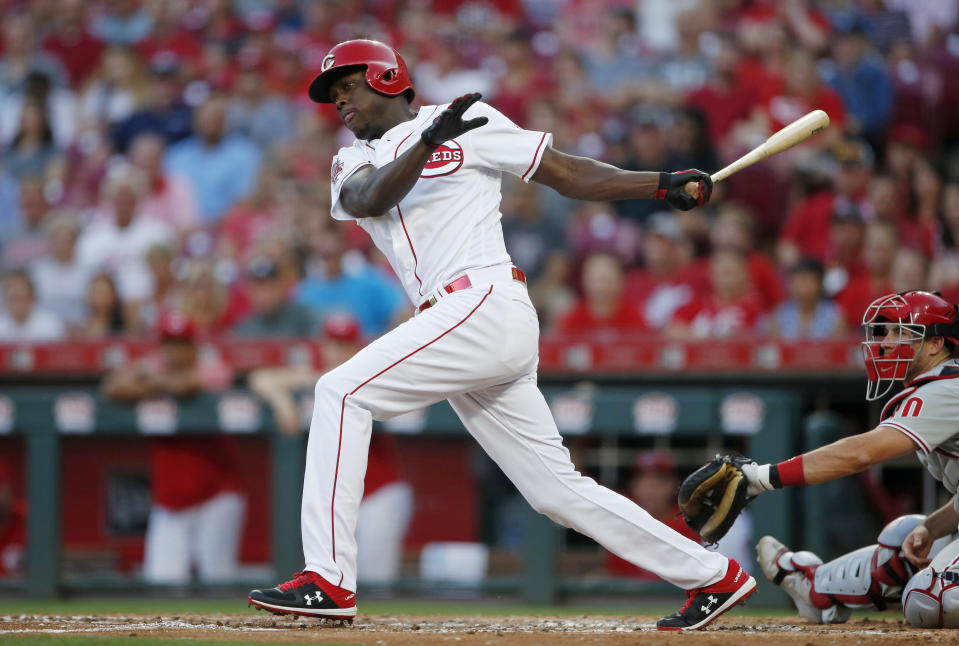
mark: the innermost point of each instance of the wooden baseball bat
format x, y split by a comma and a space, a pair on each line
796, 132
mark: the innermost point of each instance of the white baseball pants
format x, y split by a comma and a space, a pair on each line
380, 529
205, 536
478, 348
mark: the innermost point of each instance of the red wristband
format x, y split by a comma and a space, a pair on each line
791, 472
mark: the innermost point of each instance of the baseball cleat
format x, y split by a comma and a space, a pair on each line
795, 572
307, 594
703, 605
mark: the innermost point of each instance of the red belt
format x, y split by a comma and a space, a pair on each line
463, 282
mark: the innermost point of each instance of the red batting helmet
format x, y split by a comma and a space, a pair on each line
386, 72
900, 320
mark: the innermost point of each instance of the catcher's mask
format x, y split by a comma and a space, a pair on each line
894, 325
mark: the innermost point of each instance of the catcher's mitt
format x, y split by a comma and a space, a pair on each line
714, 495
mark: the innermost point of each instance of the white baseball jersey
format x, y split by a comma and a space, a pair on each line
450, 221
928, 412
478, 348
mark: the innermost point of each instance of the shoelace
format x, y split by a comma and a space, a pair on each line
298, 579
690, 595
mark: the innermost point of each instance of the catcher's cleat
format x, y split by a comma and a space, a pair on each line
308, 594
703, 605
795, 572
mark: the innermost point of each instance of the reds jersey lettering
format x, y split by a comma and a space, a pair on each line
450, 221
445, 160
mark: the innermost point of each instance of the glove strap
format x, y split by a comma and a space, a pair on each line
664, 181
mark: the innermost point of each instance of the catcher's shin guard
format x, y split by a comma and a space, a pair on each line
794, 573
873, 575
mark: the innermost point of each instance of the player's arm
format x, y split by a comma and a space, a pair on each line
841, 458
370, 192
582, 178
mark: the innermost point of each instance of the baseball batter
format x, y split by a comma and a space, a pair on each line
912, 338
426, 185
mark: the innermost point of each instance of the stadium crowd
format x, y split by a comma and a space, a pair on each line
163, 155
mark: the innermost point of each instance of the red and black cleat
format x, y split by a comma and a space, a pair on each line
307, 594
703, 605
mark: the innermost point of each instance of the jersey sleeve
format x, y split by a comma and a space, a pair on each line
346, 162
929, 416
504, 146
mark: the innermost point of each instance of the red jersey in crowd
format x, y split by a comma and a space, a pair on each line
13, 539
582, 320
708, 318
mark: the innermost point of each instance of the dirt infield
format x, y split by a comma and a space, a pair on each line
406, 630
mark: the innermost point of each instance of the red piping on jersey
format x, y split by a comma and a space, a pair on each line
402, 222
339, 444
947, 453
535, 156
911, 434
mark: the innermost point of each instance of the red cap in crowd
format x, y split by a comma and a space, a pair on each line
176, 326
341, 326
655, 460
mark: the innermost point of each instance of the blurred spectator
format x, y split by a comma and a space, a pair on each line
71, 43
117, 240
721, 98
860, 78
23, 320
731, 307
272, 313
537, 242
805, 233
32, 149
169, 36
668, 279
21, 58
13, 526
387, 505
595, 227
653, 483
160, 258
799, 92
879, 250
169, 196
117, 89
806, 314
337, 283
164, 111
733, 228
26, 240
197, 515
255, 216
212, 306
58, 105
60, 278
910, 271
221, 167
255, 112
125, 22
445, 75
844, 263
649, 148
692, 146
603, 311
104, 315
944, 272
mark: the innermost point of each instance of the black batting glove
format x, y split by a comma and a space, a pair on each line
450, 123
672, 188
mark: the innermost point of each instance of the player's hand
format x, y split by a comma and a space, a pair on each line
450, 123
754, 486
917, 545
685, 189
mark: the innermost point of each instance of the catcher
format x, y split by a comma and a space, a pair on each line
911, 337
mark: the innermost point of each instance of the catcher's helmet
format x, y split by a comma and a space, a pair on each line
386, 71
899, 320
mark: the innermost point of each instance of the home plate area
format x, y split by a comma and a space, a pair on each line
436, 629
